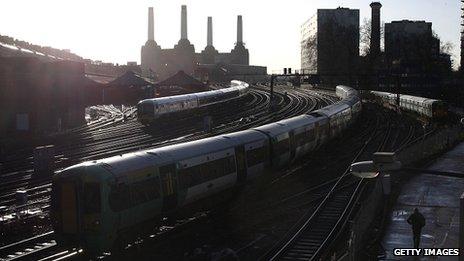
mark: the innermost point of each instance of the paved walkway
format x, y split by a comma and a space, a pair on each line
437, 198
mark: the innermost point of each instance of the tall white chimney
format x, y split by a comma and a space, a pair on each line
183, 23
151, 27
239, 29
210, 31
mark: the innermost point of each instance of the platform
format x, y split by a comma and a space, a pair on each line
437, 198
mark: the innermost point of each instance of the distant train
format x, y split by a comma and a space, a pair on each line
150, 109
95, 203
429, 108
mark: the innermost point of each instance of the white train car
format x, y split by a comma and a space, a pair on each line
428, 108
339, 115
151, 109
252, 154
303, 134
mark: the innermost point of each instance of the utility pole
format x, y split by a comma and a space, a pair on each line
272, 87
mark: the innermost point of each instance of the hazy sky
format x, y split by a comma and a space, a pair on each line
114, 30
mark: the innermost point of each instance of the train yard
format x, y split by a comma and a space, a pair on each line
300, 220
112, 138
270, 221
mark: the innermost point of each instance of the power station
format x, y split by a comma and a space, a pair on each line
161, 63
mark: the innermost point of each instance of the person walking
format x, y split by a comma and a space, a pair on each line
417, 221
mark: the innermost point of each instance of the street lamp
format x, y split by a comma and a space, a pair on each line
382, 162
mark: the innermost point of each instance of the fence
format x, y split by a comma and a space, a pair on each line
419, 150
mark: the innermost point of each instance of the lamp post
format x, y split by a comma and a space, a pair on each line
382, 162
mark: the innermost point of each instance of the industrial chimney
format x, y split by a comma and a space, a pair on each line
151, 27
375, 29
210, 32
183, 23
239, 30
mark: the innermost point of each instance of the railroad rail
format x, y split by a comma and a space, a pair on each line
316, 230
39, 190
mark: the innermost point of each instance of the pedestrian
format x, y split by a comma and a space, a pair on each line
417, 221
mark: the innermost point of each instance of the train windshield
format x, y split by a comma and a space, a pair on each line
145, 109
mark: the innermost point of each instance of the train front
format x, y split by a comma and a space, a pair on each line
145, 112
77, 205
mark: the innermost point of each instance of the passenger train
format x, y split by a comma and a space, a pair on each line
429, 108
96, 203
151, 109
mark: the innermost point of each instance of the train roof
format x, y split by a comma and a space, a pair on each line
245, 136
235, 85
406, 97
125, 163
208, 93
333, 109
417, 99
298, 121
345, 91
277, 128
169, 99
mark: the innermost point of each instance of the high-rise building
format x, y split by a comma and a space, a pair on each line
410, 42
330, 42
412, 49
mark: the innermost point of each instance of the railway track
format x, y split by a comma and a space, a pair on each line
30, 248
323, 222
309, 198
39, 190
338, 195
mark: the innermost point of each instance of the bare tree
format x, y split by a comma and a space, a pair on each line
447, 48
365, 36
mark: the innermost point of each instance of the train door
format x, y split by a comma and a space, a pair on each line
241, 165
69, 208
291, 141
168, 180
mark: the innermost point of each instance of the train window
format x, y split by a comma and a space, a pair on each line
120, 197
230, 165
145, 190
255, 156
198, 174
281, 147
91, 198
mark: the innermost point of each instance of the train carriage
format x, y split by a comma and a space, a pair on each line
339, 115
428, 108
149, 110
252, 154
206, 167
304, 132
281, 138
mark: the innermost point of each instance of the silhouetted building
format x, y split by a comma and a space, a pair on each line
413, 51
410, 41
40, 97
330, 42
413, 44
166, 62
